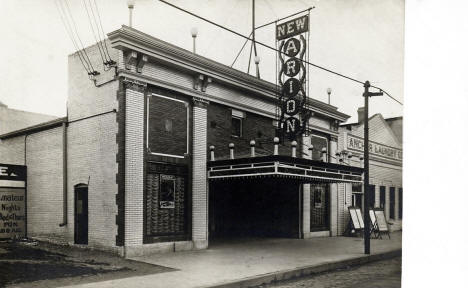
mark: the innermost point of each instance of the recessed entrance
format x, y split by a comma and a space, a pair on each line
254, 208
81, 214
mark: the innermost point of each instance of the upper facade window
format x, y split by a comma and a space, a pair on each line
319, 143
236, 123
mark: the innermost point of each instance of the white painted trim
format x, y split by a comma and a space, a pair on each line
167, 155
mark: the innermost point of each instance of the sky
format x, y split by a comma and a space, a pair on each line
363, 39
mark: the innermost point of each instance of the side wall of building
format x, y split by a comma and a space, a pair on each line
44, 180
92, 146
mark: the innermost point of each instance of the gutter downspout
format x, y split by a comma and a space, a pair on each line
25, 191
64, 173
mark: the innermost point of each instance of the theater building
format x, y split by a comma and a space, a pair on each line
156, 155
385, 164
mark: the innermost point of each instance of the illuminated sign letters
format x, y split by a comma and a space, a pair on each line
292, 28
293, 118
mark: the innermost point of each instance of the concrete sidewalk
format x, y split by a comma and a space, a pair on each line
243, 263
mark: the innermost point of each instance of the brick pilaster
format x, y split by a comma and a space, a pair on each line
134, 137
306, 191
199, 183
334, 208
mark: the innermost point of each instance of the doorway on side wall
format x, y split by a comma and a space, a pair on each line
81, 214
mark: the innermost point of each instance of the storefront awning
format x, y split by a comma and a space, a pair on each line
279, 166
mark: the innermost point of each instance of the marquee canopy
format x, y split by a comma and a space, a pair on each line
279, 166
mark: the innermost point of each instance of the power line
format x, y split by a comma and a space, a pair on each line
92, 29
111, 62
97, 30
93, 72
70, 34
386, 93
274, 49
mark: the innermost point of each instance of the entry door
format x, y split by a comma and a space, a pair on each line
319, 207
81, 214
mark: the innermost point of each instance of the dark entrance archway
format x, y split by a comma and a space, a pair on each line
255, 208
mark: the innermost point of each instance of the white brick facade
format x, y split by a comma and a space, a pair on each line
334, 213
199, 179
134, 135
306, 192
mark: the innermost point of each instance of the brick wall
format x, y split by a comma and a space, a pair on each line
84, 98
45, 194
254, 126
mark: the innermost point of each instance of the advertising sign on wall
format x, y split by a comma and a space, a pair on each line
12, 216
12, 201
357, 144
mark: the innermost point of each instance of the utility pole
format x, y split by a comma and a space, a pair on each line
367, 203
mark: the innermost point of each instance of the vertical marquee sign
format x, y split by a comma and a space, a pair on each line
293, 116
12, 201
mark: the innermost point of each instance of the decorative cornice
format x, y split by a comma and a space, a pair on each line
197, 93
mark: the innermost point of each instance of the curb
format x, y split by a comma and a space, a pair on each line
305, 271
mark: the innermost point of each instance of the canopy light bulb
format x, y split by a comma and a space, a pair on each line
257, 59
131, 3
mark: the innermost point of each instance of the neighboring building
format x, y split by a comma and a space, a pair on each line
12, 119
396, 124
385, 164
130, 169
